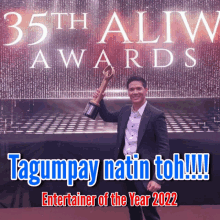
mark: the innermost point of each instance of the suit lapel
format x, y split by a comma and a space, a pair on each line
123, 124
143, 124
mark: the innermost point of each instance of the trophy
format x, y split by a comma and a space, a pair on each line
92, 108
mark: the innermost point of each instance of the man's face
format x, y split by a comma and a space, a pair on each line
137, 92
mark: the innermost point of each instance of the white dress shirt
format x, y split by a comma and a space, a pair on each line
131, 132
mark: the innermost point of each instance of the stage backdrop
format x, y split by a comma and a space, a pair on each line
52, 54
58, 49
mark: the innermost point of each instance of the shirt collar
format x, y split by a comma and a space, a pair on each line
140, 111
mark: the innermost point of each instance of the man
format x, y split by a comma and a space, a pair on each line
141, 129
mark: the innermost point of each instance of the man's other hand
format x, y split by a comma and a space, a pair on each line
152, 186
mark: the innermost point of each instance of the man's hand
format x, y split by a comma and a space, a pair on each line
97, 93
152, 186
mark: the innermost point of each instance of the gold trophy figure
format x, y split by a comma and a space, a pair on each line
92, 108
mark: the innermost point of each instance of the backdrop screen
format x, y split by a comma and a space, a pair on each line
54, 49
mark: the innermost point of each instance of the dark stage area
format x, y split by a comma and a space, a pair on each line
193, 127
204, 212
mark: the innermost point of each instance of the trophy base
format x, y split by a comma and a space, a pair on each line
91, 110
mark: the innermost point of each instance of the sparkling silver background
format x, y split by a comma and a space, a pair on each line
18, 81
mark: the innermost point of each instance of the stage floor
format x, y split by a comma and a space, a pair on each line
204, 212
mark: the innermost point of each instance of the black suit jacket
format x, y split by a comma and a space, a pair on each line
152, 133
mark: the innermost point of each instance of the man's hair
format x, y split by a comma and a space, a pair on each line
136, 78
